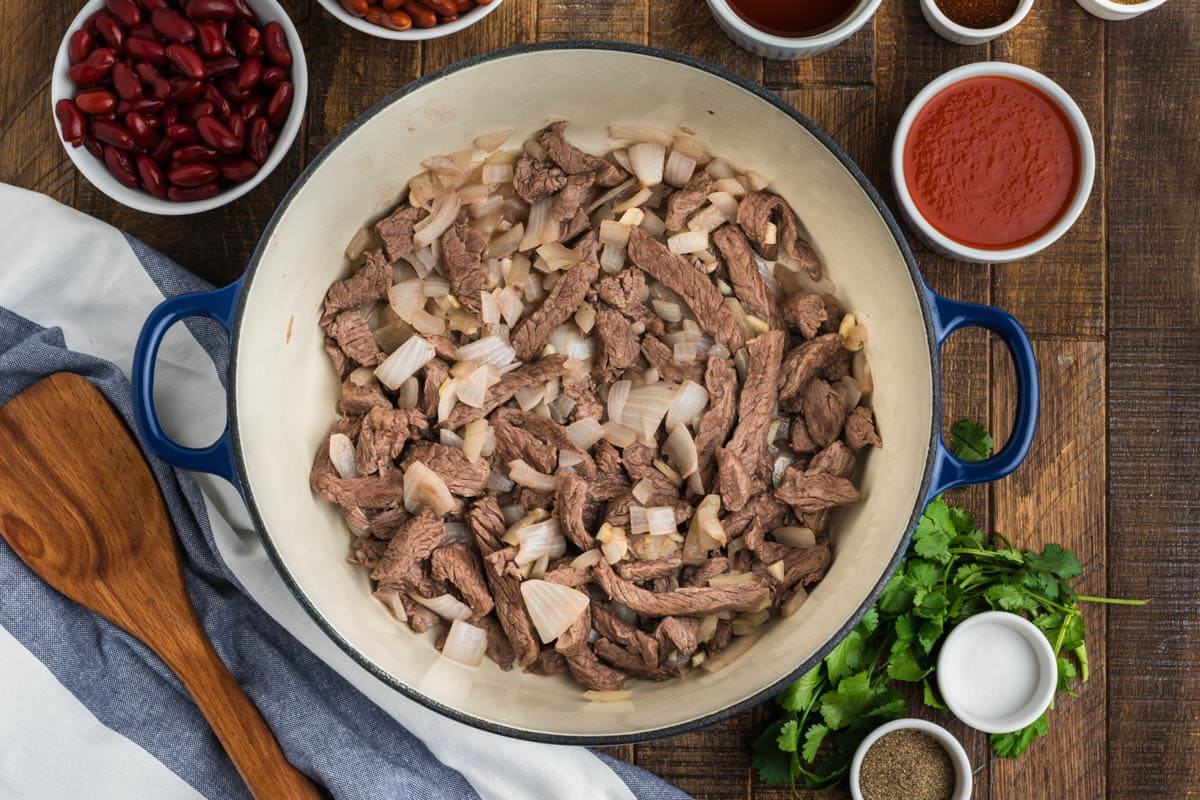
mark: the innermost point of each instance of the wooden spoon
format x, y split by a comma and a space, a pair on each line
79, 505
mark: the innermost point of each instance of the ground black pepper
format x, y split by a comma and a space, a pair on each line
978, 13
906, 764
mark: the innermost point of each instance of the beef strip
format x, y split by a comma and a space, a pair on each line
836, 459
608, 485
805, 313
576, 225
618, 345
570, 501
720, 380
412, 544
368, 284
513, 442
366, 551
688, 601
443, 347
369, 492
662, 358
734, 483
586, 404
756, 211
568, 576
824, 414
628, 661
462, 477
536, 180
860, 429
608, 459
357, 400
567, 202
756, 405
486, 522
420, 618
588, 670
798, 437
534, 331
679, 633
514, 619
801, 566
683, 203
639, 464
397, 230
808, 491
459, 565
628, 293
353, 335
802, 363
639, 571
697, 291
384, 434
341, 362
700, 575
575, 637
499, 649
609, 625
510, 383
721, 637
573, 160
550, 432
436, 373
762, 508
385, 523
548, 662
748, 284
462, 249
839, 366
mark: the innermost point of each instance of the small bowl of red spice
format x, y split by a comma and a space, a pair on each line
974, 21
992, 162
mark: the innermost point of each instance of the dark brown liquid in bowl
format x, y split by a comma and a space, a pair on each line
794, 18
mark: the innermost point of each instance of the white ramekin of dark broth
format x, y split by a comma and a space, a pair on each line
787, 30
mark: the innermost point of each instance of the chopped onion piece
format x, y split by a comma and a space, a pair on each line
680, 449
465, 643
567, 339
646, 160
622, 159
497, 173
435, 286
619, 435
793, 603
525, 475
409, 394
540, 539
359, 244
588, 559
618, 395
777, 570
407, 298
770, 233
707, 220
541, 229
719, 168
614, 233
552, 607
635, 201
653, 224
499, 483
585, 432
662, 466
511, 305
613, 543
506, 243
585, 318
557, 256
691, 146
646, 406
679, 169
424, 487
341, 453
404, 362
633, 132
488, 142
733, 579
488, 350
447, 397
450, 438
745, 624
687, 242
667, 310
487, 213
608, 696
431, 228
795, 537
470, 195
446, 606
612, 194
428, 324
684, 351
612, 259
643, 491
654, 520
529, 396
689, 401
391, 601
568, 459
757, 182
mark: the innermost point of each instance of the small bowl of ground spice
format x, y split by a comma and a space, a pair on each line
974, 21
1119, 9
910, 759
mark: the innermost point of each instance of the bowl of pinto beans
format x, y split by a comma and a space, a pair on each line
410, 20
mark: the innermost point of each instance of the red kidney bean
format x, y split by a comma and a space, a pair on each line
111, 31
173, 25
280, 104
198, 109
153, 180
397, 20
272, 77
218, 134
93, 146
237, 126
79, 45
228, 86
258, 143
220, 105
249, 74
444, 8
126, 11
253, 106
444, 18
237, 169
275, 45
391, 5
72, 121
358, 8
121, 166
139, 128
195, 152
222, 66
152, 5
111, 133
125, 82
212, 42
89, 24
422, 17
244, 11
181, 133
187, 61
163, 151
145, 50
193, 174
186, 194
153, 121
95, 101
143, 105
211, 9
170, 114
154, 84
93, 69
185, 90
144, 31
247, 38
464, 6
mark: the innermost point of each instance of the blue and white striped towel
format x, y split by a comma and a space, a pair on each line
87, 711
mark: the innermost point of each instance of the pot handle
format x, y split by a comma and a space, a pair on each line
949, 470
218, 304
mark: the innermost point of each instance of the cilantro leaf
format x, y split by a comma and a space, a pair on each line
897, 597
773, 765
799, 696
930, 698
812, 741
854, 695
922, 574
789, 736
906, 628
1066, 673
1011, 745
870, 620
847, 658
902, 665
970, 441
1006, 596
930, 605
1055, 560
929, 634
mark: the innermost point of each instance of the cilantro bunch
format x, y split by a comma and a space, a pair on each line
952, 571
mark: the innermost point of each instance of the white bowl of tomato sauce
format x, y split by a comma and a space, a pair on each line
992, 162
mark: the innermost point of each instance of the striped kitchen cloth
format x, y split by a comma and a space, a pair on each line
87, 711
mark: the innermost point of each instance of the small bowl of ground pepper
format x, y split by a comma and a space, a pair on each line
974, 21
911, 759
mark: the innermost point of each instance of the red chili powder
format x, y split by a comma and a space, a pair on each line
991, 162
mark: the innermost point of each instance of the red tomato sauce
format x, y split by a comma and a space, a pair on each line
992, 162
794, 18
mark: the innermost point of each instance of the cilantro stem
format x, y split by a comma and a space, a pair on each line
1081, 654
1071, 611
1115, 601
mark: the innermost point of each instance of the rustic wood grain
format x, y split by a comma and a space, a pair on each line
850, 63
688, 26
75, 470
616, 20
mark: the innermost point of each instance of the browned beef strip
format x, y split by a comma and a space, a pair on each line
808, 565
688, 601
807, 491
368, 284
756, 211
823, 412
609, 625
385, 523
420, 618
354, 337
412, 544
443, 347
762, 508
588, 670
550, 432
802, 363
720, 638
805, 313
628, 661
570, 501
608, 485
461, 476
798, 437
510, 383
748, 284
397, 230
720, 379
662, 358
384, 433
499, 649
578, 224
370, 492
838, 367
436, 373
341, 362
486, 522
638, 571
567, 201
639, 463
608, 458
618, 345
366, 550
510, 610
683, 203
699, 575
575, 637
628, 293
459, 564
860, 429
515, 442
535, 180
756, 405
548, 662
586, 403
701, 296
837, 459
531, 498
567, 575
357, 400
679, 632
534, 331
573, 160
462, 248
734, 483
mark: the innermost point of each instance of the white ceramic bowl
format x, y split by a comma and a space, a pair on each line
97, 173
1107, 9
413, 34
938, 241
788, 48
997, 672
283, 391
958, 757
960, 34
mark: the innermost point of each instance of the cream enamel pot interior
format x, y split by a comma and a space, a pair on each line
282, 391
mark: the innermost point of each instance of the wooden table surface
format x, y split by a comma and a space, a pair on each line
1113, 309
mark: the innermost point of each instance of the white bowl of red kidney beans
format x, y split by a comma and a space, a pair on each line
410, 20
179, 106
